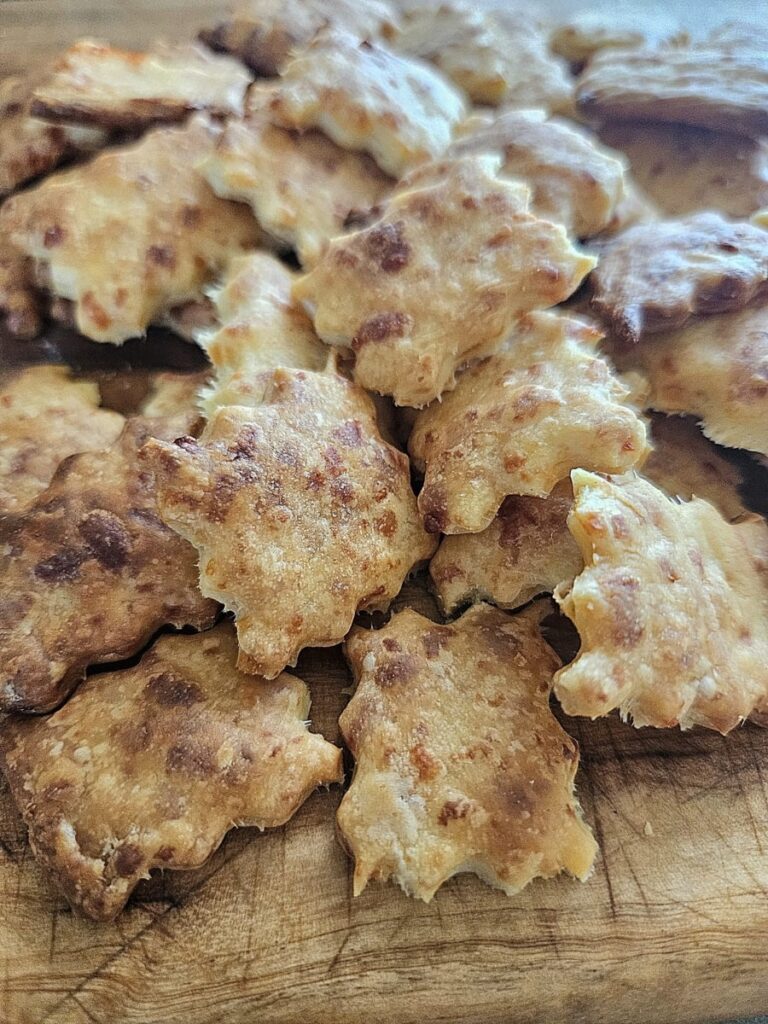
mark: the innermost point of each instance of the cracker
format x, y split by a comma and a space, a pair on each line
656, 276
519, 421
526, 550
716, 369
301, 513
460, 764
88, 572
573, 179
493, 62
684, 170
586, 33
686, 465
30, 147
93, 83
302, 187
366, 97
150, 766
263, 33
45, 416
634, 207
411, 315
132, 233
174, 394
671, 609
708, 85
20, 311
260, 328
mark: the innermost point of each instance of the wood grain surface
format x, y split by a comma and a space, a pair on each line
672, 927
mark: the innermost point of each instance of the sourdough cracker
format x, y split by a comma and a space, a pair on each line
302, 514
150, 766
460, 764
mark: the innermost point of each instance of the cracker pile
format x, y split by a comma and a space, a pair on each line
484, 302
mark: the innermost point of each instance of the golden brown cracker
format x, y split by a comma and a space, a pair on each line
301, 513
671, 609
460, 764
88, 572
150, 766
519, 421
411, 314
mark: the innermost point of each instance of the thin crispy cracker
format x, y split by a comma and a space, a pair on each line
656, 276
366, 97
461, 765
686, 465
174, 394
150, 766
709, 85
492, 61
586, 33
716, 369
46, 415
302, 187
573, 179
30, 147
527, 550
88, 572
132, 233
519, 421
93, 83
301, 513
20, 311
671, 609
684, 170
263, 33
260, 328
411, 315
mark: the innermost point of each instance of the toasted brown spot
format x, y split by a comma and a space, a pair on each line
424, 761
171, 691
386, 245
95, 311
390, 644
127, 860
190, 758
107, 538
53, 236
381, 327
162, 256
386, 524
434, 640
61, 567
453, 810
350, 434
621, 591
397, 669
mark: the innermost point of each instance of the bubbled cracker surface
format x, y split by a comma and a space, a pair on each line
410, 315
94, 83
88, 572
261, 328
301, 186
365, 96
132, 233
518, 422
460, 764
671, 609
150, 766
301, 513
46, 415
574, 180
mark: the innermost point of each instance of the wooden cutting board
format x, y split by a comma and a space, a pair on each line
672, 927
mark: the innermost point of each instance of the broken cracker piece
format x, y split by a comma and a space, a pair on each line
671, 609
88, 572
573, 179
20, 311
366, 97
174, 394
527, 550
263, 33
460, 764
589, 32
412, 316
301, 513
494, 62
685, 464
519, 421
149, 767
45, 416
132, 233
714, 368
710, 85
261, 328
93, 83
302, 187
655, 277
685, 170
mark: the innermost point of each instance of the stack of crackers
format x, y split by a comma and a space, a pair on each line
481, 300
